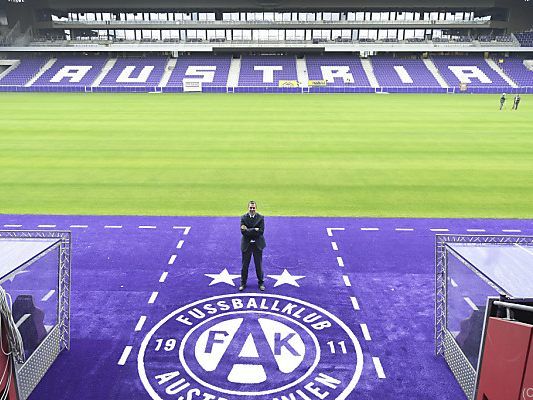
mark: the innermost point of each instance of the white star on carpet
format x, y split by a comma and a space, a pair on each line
286, 278
223, 277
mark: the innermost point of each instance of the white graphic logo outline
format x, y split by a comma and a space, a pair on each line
342, 396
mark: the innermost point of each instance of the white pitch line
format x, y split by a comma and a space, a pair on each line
113, 227
346, 280
22, 319
334, 246
180, 244
512, 230
172, 259
340, 261
366, 333
46, 226
186, 229
79, 226
12, 226
404, 229
370, 229
140, 323
379, 368
476, 230
355, 303
163, 277
48, 295
153, 297
147, 227
471, 303
439, 230
330, 230
125, 355
454, 284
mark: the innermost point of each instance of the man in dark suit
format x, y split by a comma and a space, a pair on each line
252, 243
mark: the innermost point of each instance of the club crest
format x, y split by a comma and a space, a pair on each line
250, 345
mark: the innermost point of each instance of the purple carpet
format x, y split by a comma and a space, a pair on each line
347, 313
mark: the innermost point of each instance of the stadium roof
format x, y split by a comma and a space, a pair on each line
273, 4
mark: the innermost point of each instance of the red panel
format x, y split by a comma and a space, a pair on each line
504, 360
527, 388
12, 395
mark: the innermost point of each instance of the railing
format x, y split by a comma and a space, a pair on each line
509, 307
221, 41
295, 23
264, 89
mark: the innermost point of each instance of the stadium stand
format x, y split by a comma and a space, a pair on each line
471, 70
27, 69
397, 72
525, 38
285, 47
211, 70
515, 69
337, 70
72, 72
321, 73
267, 70
136, 72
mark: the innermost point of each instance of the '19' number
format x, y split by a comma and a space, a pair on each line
169, 344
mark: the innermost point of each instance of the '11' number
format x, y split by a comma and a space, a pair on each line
341, 345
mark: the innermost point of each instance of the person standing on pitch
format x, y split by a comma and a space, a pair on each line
516, 102
252, 243
502, 101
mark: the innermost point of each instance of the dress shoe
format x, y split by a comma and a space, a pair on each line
262, 288
242, 287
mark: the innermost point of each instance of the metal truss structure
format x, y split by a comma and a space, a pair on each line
445, 344
33, 369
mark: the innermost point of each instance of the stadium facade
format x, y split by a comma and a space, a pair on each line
290, 46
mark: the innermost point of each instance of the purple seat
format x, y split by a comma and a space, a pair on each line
26, 70
525, 38
337, 70
413, 71
72, 71
212, 70
267, 70
136, 72
476, 70
515, 69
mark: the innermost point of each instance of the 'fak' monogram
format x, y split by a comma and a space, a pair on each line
258, 346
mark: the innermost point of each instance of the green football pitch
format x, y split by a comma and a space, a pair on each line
315, 155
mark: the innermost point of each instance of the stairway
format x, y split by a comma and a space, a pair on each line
301, 72
435, 72
234, 72
171, 65
45, 68
369, 71
107, 67
500, 72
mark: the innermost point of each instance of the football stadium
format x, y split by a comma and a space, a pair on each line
266, 200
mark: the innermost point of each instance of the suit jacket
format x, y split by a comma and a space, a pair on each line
258, 221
